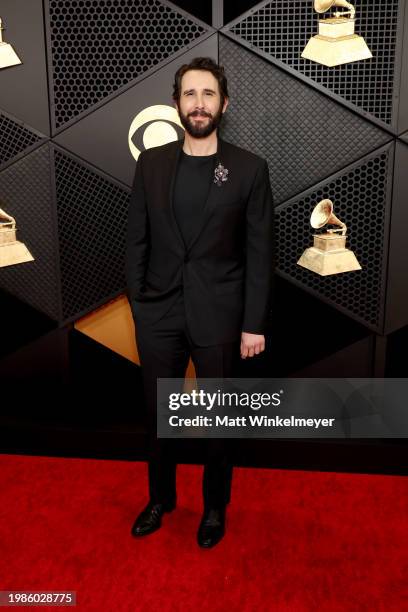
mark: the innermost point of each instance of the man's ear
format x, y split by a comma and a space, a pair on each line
226, 102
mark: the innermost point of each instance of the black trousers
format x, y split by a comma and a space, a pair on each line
164, 350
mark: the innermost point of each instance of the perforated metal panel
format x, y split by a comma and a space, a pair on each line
92, 215
361, 198
14, 138
282, 29
25, 191
98, 46
101, 137
304, 135
24, 88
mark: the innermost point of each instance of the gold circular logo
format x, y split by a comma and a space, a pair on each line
157, 133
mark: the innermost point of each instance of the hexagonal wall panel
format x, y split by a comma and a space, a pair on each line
98, 47
15, 139
304, 135
282, 28
26, 193
92, 213
24, 87
106, 129
361, 195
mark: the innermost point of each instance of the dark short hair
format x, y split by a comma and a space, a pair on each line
201, 63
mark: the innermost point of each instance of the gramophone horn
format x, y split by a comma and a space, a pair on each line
323, 214
321, 6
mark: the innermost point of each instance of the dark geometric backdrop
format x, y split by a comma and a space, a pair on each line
90, 67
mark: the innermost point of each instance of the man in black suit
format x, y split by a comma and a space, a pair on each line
199, 269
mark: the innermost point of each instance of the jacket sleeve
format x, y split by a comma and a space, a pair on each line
137, 236
260, 253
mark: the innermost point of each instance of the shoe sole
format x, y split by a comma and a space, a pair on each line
144, 533
211, 544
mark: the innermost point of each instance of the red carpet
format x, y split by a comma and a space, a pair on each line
295, 540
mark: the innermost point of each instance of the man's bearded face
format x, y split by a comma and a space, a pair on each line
200, 107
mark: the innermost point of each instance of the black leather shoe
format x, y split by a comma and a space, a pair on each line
149, 520
212, 527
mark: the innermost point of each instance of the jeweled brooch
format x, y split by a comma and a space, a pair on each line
220, 175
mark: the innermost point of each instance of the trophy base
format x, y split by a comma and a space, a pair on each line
336, 51
8, 57
326, 263
14, 253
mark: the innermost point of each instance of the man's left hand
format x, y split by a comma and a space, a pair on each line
251, 344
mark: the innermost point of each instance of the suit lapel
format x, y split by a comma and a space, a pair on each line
174, 156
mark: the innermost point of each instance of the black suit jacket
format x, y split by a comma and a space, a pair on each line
227, 268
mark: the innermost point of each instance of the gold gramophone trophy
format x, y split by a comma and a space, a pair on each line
11, 250
8, 57
328, 255
336, 43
